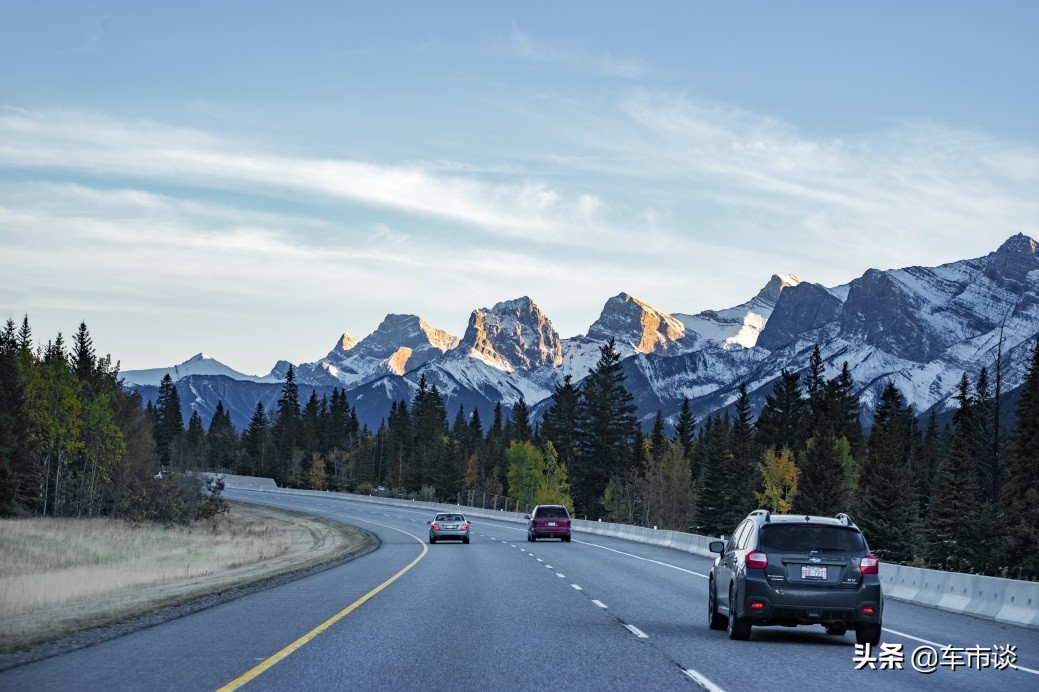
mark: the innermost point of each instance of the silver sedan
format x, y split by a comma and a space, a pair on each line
448, 526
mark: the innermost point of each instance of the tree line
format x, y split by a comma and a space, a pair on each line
75, 443
962, 497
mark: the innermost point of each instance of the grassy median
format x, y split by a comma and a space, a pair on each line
60, 576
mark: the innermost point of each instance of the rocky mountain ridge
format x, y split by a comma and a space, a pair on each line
919, 327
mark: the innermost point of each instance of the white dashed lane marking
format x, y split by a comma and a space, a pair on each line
599, 603
576, 587
636, 631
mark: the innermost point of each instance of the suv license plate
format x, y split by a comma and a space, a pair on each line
551, 523
813, 572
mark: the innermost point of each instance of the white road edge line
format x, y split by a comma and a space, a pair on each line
600, 604
702, 681
939, 646
636, 631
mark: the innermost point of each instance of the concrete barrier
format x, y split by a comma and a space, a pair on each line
1010, 601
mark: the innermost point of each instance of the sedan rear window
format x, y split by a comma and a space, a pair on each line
804, 538
543, 512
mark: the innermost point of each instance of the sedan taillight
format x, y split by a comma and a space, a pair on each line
870, 565
464, 527
436, 527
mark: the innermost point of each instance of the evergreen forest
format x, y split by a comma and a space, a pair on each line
963, 496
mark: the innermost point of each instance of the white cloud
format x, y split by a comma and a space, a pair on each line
91, 143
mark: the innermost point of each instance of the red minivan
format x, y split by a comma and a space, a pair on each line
548, 521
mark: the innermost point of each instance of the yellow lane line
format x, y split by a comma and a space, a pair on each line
260, 668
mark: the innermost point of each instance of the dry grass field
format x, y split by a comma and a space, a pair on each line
58, 576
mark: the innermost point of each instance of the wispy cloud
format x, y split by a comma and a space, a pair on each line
912, 192
525, 46
95, 144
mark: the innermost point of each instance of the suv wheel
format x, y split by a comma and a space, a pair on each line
739, 628
867, 633
714, 620
566, 538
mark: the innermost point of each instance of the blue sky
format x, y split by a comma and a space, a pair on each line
252, 179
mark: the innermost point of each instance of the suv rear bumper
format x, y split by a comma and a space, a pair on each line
765, 604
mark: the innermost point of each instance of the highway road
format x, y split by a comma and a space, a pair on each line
501, 613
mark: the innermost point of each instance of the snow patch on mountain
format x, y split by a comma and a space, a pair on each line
740, 326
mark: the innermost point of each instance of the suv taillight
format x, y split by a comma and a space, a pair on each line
870, 565
757, 560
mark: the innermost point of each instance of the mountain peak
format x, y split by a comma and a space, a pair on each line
345, 343
197, 358
1014, 259
513, 334
637, 323
776, 285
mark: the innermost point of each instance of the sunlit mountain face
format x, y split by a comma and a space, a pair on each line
919, 327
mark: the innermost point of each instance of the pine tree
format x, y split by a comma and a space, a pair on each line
256, 445
169, 420
17, 474
285, 434
606, 426
221, 440
559, 425
780, 422
658, 441
822, 482
952, 521
889, 512
711, 515
685, 430
745, 456
1020, 498
520, 420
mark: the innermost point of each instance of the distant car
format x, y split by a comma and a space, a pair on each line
447, 526
780, 569
548, 521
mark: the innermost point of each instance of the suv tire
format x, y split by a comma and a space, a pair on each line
739, 628
714, 620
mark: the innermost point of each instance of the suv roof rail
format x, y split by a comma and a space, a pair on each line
845, 519
762, 513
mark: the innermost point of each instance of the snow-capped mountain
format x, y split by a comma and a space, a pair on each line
738, 327
400, 344
922, 328
199, 364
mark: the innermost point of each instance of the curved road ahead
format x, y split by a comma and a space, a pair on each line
501, 613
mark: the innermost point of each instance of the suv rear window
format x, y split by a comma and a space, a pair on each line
804, 538
543, 512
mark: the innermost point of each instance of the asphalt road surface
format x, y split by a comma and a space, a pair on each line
501, 613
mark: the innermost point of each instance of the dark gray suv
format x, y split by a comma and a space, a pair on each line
780, 569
